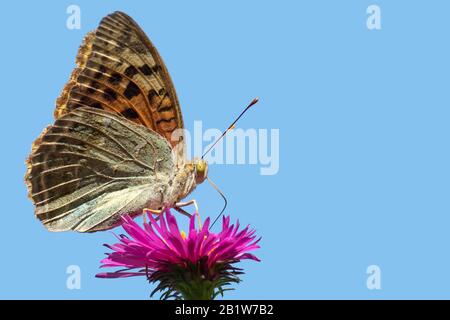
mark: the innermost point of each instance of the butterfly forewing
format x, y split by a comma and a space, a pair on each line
92, 166
119, 70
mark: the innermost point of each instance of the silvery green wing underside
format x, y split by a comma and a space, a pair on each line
92, 166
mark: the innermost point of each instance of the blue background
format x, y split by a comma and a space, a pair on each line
364, 125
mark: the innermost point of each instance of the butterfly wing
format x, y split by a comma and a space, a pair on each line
119, 70
92, 166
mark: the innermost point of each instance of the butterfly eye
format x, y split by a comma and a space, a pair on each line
201, 169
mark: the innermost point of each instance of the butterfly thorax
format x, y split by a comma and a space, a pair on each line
186, 179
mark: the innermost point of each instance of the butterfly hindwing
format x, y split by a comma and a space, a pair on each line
119, 70
91, 166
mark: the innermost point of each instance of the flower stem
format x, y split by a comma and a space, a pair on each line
200, 289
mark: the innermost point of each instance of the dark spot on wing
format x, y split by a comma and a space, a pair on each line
156, 68
166, 108
73, 105
151, 94
101, 71
145, 69
90, 90
109, 94
97, 105
130, 71
131, 91
93, 86
115, 78
130, 113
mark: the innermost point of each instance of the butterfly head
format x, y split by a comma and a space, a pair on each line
201, 170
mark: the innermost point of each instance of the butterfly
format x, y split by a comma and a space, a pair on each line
117, 144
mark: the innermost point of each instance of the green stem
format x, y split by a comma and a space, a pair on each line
199, 289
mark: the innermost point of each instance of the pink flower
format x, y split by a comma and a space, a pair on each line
196, 265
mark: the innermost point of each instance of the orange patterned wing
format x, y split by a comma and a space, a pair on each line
119, 70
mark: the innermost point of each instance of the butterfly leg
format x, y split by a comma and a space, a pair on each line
183, 212
152, 211
178, 205
187, 203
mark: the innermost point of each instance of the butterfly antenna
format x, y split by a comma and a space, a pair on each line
254, 101
224, 198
